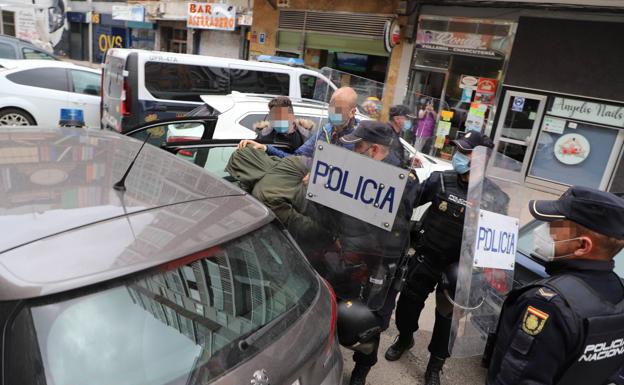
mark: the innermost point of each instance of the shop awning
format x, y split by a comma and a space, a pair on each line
291, 41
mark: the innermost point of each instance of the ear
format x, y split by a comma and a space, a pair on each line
587, 246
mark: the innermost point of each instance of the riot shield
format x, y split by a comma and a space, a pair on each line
496, 200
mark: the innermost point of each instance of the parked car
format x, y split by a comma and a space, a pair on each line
179, 278
141, 86
32, 92
14, 48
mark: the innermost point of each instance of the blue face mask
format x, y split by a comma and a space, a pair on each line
461, 163
407, 125
336, 119
280, 126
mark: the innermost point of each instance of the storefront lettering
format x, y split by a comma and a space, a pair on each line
588, 111
453, 40
106, 41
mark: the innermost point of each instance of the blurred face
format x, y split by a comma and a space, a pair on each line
281, 119
341, 111
564, 231
371, 150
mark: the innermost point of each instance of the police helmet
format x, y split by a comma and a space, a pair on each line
357, 326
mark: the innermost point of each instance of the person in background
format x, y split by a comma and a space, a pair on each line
400, 119
341, 116
423, 133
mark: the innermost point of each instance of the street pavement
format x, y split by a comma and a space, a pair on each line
410, 369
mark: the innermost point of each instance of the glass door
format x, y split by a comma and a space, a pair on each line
517, 128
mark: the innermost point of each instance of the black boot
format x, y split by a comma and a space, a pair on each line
358, 375
400, 345
432, 374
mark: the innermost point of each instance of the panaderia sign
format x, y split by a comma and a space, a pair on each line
211, 16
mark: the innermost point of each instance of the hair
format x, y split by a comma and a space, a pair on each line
609, 245
385, 149
281, 101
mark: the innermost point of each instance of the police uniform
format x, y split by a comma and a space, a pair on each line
568, 328
438, 246
357, 237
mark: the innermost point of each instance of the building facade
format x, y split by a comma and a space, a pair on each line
553, 102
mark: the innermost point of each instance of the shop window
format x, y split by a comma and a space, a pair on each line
260, 82
8, 23
617, 184
143, 38
174, 39
185, 82
7, 51
85, 82
50, 78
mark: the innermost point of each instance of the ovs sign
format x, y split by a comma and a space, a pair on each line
109, 38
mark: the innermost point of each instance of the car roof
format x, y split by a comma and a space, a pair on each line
18, 40
64, 226
171, 57
11, 64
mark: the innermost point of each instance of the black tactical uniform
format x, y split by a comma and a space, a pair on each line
438, 246
569, 328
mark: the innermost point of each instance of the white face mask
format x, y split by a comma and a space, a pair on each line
544, 245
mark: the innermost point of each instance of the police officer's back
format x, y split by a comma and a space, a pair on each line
569, 328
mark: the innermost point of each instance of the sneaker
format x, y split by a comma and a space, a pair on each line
396, 350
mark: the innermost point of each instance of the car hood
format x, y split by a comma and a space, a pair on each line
54, 180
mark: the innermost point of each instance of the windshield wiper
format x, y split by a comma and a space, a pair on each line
251, 339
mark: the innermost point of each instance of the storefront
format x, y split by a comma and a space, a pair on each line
347, 41
78, 35
561, 112
215, 30
457, 66
109, 32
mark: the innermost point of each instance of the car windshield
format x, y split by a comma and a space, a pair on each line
525, 245
180, 323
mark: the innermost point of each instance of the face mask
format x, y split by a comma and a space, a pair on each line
280, 126
407, 125
336, 119
544, 245
461, 163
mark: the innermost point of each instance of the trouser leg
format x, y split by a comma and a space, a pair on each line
383, 316
421, 282
438, 346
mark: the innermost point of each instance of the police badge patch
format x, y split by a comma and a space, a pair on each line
443, 206
534, 321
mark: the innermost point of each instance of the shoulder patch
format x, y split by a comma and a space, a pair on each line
534, 321
546, 293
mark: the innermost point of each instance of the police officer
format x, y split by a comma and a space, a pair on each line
438, 248
373, 139
568, 328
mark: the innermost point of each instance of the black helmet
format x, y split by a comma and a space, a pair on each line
357, 326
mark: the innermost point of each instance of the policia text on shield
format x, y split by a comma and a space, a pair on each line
437, 252
567, 329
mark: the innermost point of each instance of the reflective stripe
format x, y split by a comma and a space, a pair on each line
546, 215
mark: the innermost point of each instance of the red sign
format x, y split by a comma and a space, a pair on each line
487, 85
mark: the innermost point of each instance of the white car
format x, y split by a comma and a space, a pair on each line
33, 92
214, 129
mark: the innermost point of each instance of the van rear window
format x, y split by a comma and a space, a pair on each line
184, 82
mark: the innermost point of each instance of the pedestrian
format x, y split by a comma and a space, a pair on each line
282, 126
361, 241
400, 119
341, 121
438, 246
423, 134
568, 328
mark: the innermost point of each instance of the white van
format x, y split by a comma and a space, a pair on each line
142, 86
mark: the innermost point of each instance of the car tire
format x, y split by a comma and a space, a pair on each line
16, 117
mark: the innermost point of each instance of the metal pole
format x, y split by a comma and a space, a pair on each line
90, 13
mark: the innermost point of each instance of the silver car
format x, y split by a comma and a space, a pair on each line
180, 279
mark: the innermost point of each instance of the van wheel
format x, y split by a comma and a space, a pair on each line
15, 117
